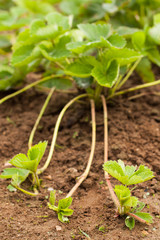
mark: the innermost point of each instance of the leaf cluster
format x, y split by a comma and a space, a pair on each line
62, 209
129, 175
25, 165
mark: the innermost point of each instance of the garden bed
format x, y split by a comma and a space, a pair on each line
134, 136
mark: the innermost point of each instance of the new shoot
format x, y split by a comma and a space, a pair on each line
24, 166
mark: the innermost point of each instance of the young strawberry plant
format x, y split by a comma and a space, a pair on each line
62, 209
125, 203
25, 166
128, 204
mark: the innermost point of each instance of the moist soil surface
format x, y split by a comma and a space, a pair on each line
134, 136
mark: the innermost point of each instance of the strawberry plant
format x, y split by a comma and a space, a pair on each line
62, 209
25, 166
128, 204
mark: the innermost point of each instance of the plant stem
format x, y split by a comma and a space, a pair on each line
86, 172
37, 180
113, 195
98, 91
129, 73
29, 86
39, 118
135, 88
136, 217
26, 192
112, 91
39, 171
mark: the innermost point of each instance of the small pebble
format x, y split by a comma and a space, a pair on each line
58, 228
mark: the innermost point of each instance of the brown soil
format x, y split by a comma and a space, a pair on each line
134, 136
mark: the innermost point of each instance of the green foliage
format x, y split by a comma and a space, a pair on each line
63, 207
25, 165
31, 162
128, 204
130, 222
106, 76
128, 175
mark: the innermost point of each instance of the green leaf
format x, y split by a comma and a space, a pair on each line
154, 33
83, 82
95, 31
67, 212
126, 31
37, 151
4, 42
138, 40
62, 218
144, 69
139, 207
58, 51
9, 172
154, 55
58, 83
59, 20
145, 216
11, 188
156, 19
52, 207
106, 77
16, 180
52, 197
128, 175
123, 56
141, 175
130, 222
64, 203
81, 67
123, 193
24, 55
117, 41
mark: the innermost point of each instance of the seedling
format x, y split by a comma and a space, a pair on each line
128, 204
62, 209
125, 203
25, 166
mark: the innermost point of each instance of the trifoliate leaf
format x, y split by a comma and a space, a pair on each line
130, 222
95, 31
106, 77
64, 203
145, 216
128, 175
